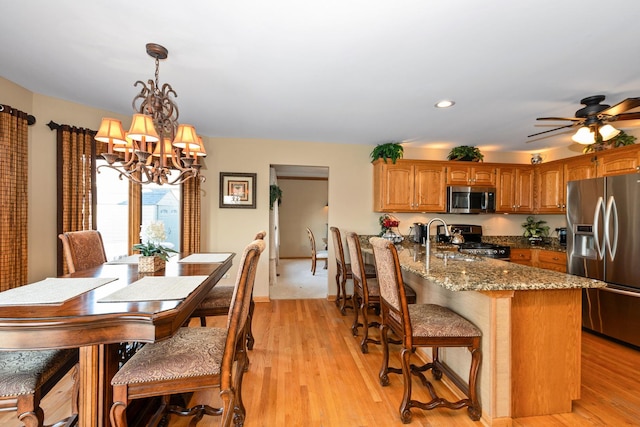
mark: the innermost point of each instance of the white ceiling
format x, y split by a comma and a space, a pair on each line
342, 71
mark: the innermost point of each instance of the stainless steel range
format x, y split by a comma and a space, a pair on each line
473, 241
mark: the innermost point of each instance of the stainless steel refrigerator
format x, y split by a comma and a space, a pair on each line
603, 242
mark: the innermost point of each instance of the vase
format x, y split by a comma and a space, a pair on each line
149, 264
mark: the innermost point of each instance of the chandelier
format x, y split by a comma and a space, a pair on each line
156, 144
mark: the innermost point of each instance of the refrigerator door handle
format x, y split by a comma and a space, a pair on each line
611, 209
600, 249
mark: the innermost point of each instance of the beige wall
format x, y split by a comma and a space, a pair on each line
303, 205
349, 185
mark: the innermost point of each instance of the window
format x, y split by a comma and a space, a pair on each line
159, 203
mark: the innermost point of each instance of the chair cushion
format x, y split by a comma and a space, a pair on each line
218, 297
24, 372
322, 254
191, 352
431, 320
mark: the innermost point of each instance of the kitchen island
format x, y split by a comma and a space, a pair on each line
531, 328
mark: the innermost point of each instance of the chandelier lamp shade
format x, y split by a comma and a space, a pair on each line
586, 135
156, 144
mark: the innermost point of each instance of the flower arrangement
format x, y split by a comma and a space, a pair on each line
389, 228
154, 235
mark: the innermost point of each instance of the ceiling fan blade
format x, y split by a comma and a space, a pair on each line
552, 130
621, 107
573, 119
625, 116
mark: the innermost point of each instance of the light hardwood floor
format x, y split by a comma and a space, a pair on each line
307, 370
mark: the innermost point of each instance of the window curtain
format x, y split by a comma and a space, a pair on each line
76, 172
13, 197
191, 202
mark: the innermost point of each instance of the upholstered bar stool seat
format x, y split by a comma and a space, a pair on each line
422, 325
26, 376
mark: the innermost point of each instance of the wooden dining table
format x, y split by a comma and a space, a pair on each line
98, 327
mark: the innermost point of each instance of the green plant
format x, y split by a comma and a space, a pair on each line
533, 228
620, 140
275, 193
466, 153
153, 249
389, 150
154, 234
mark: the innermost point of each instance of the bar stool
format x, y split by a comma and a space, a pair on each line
422, 325
344, 273
366, 294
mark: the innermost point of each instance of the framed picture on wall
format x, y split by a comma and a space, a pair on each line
237, 190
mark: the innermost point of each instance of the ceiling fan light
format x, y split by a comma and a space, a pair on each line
584, 136
607, 132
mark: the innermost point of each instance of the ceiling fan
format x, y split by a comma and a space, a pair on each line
595, 117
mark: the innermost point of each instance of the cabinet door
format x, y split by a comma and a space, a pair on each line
393, 186
581, 167
619, 161
505, 190
523, 190
483, 175
549, 195
430, 189
458, 174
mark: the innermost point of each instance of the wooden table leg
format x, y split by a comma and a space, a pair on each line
98, 364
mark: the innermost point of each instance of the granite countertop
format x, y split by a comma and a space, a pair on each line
463, 272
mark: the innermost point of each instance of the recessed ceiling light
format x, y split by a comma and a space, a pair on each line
445, 103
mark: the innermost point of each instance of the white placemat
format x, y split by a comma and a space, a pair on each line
156, 288
205, 258
54, 291
131, 259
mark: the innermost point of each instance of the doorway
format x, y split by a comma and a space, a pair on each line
304, 203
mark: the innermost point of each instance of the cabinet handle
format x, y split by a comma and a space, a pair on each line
557, 206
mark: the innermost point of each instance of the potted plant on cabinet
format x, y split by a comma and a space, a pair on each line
466, 153
389, 150
535, 230
620, 140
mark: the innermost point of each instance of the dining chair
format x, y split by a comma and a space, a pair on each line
422, 325
315, 253
82, 249
194, 359
343, 272
218, 301
366, 293
27, 376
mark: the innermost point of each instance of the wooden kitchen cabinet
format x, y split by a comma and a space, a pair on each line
459, 173
549, 188
409, 186
552, 260
541, 258
580, 167
521, 256
514, 189
619, 161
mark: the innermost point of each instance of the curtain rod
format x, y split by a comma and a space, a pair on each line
31, 120
55, 126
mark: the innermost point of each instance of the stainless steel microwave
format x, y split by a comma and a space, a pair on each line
471, 200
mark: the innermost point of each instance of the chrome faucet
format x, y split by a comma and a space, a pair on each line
427, 243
